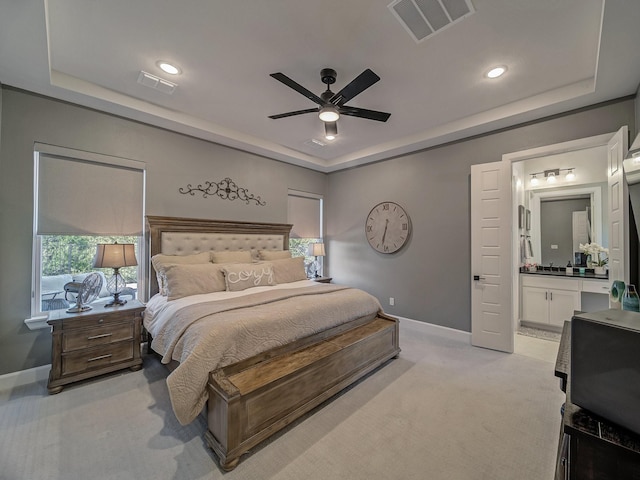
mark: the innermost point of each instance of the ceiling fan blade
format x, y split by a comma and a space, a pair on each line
291, 114
364, 113
357, 86
281, 77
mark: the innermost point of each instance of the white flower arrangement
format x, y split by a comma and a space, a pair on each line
594, 250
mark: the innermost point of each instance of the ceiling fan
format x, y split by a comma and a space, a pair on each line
332, 105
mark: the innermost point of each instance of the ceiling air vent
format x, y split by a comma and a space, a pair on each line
315, 143
424, 18
157, 83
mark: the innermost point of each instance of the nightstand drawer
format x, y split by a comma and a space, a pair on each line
88, 337
96, 357
95, 318
94, 342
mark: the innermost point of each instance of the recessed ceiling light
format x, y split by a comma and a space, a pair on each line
168, 68
496, 72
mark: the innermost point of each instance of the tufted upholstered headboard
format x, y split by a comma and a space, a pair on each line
186, 236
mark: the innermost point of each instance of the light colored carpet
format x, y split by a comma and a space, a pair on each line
443, 410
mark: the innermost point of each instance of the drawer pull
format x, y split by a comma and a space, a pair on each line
99, 336
101, 357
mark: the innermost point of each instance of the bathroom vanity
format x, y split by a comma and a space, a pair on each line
549, 298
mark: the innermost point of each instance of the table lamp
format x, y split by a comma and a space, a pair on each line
316, 250
115, 255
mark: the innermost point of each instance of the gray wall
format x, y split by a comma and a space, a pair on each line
173, 160
430, 278
556, 228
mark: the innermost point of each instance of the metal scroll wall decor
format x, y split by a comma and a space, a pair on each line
226, 189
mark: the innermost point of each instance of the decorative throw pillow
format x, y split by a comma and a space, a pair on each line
240, 276
237, 256
160, 261
273, 254
193, 279
289, 270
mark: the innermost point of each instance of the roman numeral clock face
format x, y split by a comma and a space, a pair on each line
387, 227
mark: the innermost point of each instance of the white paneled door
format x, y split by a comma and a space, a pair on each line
491, 310
618, 207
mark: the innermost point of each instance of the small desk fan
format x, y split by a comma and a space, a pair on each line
86, 292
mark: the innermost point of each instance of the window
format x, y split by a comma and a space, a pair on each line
82, 199
305, 213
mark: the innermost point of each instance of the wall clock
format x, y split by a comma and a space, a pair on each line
388, 227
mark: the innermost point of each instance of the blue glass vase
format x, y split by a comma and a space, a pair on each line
630, 300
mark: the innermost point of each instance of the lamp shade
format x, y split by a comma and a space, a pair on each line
316, 250
115, 255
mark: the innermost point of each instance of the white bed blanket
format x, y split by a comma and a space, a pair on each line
212, 334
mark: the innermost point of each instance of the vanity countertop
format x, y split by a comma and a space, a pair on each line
562, 273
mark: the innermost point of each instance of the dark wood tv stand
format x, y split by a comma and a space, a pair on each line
591, 448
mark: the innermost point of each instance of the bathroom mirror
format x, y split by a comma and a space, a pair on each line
631, 168
564, 218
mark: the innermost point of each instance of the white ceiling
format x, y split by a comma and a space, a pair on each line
561, 54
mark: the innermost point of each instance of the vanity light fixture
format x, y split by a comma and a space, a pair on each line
168, 67
552, 175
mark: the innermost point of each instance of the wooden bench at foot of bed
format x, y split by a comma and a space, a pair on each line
251, 400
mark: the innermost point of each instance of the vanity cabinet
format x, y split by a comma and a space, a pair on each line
549, 301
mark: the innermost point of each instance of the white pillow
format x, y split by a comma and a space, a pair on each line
289, 270
193, 279
240, 276
160, 261
237, 256
273, 254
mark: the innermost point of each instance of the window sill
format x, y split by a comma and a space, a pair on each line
37, 323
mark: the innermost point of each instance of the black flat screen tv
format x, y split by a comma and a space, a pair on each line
605, 366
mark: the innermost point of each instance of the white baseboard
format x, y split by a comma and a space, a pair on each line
37, 374
447, 332
24, 377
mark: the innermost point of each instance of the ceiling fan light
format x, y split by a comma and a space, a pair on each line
330, 130
328, 114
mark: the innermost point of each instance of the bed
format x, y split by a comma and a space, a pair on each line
264, 347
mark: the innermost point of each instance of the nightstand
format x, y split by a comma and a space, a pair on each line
322, 279
91, 343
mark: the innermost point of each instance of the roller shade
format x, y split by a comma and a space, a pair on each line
305, 215
80, 197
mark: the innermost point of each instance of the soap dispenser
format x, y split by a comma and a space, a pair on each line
569, 269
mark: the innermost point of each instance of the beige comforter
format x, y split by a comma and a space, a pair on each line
210, 335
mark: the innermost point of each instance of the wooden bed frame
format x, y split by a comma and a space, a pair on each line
252, 399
